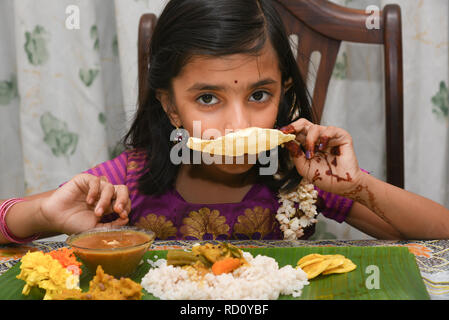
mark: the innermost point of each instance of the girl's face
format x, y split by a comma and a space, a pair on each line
226, 94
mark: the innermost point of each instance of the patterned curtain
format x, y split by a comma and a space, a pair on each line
68, 91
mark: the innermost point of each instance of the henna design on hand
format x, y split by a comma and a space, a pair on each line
334, 162
357, 196
296, 151
335, 151
316, 176
330, 173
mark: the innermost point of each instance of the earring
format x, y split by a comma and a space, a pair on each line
178, 135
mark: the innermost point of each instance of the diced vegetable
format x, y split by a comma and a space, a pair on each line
226, 265
204, 255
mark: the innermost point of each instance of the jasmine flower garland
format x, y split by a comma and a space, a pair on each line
293, 220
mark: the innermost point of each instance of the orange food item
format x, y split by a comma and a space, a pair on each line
226, 265
67, 259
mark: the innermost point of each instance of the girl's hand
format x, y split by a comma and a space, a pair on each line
81, 203
327, 158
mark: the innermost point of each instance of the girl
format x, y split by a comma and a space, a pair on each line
227, 64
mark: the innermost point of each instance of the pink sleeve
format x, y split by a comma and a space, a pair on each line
333, 206
114, 170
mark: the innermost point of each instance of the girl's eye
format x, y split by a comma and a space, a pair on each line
207, 99
260, 96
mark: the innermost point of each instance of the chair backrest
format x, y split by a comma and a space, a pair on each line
321, 26
146, 26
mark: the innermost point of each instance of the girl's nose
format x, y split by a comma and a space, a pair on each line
237, 118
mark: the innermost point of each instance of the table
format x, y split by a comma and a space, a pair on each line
432, 256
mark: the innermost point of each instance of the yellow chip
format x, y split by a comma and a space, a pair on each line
335, 262
315, 269
310, 257
347, 266
315, 264
335, 256
309, 262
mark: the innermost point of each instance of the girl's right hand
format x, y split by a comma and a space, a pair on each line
80, 204
328, 160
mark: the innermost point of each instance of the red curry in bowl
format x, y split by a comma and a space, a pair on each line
118, 250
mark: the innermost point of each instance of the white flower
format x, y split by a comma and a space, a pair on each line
304, 221
312, 212
289, 235
290, 211
283, 219
286, 202
292, 220
294, 224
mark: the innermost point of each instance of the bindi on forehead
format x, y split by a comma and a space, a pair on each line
235, 81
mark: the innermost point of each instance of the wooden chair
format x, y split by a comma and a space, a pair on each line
321, 26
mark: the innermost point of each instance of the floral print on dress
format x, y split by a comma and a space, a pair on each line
256, 223
204, 224
162, 227
132, 165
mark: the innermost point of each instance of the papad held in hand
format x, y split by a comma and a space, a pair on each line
251, 141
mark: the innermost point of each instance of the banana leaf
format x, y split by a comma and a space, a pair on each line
382, 273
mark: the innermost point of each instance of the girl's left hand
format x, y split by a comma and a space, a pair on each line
328, 160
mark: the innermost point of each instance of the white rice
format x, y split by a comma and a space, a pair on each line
262, 280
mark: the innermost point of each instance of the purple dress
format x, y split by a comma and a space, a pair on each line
171, 217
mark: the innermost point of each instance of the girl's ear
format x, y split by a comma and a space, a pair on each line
164, 98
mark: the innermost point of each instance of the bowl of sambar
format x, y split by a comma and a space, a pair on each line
119, 250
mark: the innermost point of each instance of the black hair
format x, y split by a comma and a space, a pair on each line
187, 28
